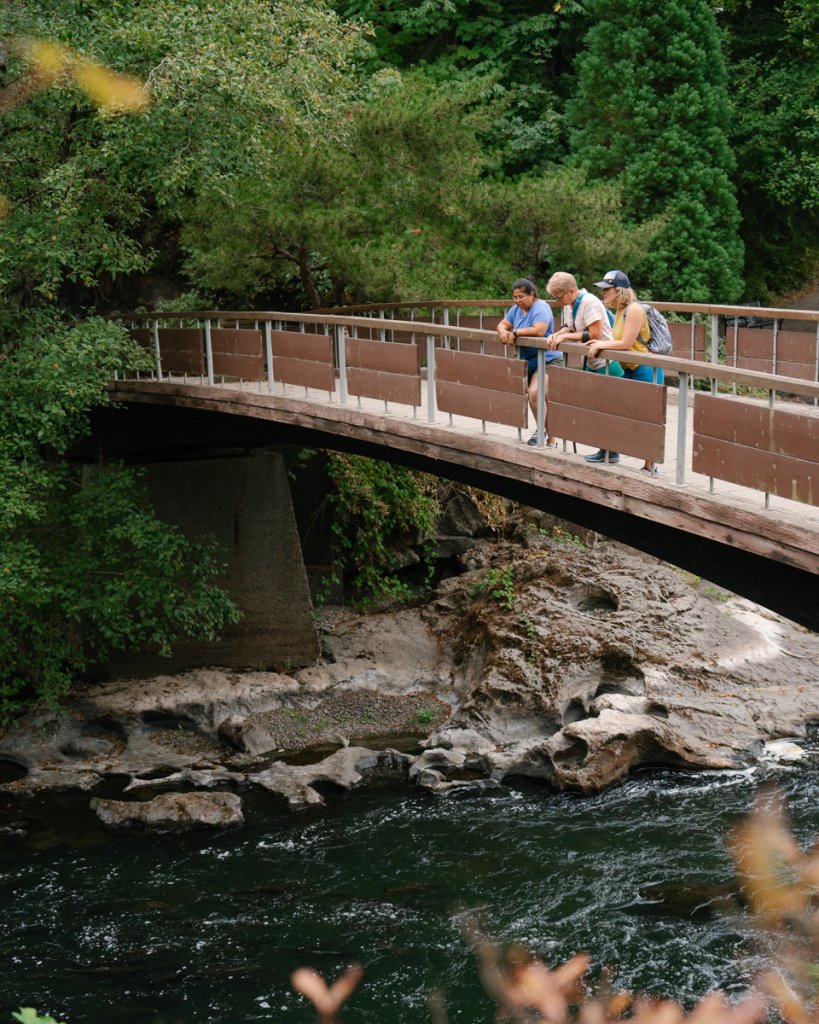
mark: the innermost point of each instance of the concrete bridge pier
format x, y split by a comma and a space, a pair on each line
243, 500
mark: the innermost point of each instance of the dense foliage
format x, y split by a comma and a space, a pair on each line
524, 48
85, 566
374, 504
721, 106
652, 111
773, 66
90, 186
399, 209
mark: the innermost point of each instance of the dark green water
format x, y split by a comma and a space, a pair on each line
207, 928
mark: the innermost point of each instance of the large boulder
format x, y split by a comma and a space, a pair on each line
345, 768
174, 812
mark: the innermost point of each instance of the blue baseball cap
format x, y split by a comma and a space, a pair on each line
613, 279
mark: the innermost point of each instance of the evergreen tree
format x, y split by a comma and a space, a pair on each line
652, 111
774, 83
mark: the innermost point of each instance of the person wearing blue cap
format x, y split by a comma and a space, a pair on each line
630, 332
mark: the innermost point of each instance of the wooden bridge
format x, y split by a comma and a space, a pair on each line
736, 498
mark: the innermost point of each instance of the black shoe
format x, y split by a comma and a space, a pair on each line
533, 439
600, 456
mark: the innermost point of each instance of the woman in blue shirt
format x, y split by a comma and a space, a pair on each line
530, 317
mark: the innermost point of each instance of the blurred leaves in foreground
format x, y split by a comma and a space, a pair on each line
52, 64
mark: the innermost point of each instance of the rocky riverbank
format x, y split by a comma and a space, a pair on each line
551, 656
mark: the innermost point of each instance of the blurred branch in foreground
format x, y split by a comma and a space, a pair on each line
781, 885
52, 64
327, 1000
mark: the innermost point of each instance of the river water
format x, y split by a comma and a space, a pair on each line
208, 927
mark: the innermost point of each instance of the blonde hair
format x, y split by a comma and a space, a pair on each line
560, 283
624, 297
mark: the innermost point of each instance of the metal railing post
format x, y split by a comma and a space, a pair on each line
711, 487
771, 400
268, 351
208, 351
775, 346
431, 378
341, 342
541, 400
682, 428
157, 357
713, 355
816, 366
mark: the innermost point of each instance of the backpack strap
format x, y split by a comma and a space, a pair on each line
575, 307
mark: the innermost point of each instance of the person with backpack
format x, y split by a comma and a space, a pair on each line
584, 318
631, 331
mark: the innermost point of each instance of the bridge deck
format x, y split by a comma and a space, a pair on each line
779, 509
729, 537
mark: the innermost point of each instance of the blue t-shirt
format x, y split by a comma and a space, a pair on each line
538, 313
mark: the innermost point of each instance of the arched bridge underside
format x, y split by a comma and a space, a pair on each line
771, 558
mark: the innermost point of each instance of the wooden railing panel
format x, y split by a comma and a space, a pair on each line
755, 446
796, 347
237, 353
802, 371
796, 355
181, 350
597, 391
303, 359
482, 404
304, 373
487, 372
404, 337
482, 387
143, 336
608, 412
390, 357
389, 387
752, 343
315, 348
384, 370
490, 348
795, 352
681, 340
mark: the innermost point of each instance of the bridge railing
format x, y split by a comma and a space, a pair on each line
768, 339
463, 370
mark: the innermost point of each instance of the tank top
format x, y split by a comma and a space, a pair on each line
641, 342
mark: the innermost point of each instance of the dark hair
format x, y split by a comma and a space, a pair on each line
525, 285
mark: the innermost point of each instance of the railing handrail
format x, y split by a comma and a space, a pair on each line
759, 312
706, 308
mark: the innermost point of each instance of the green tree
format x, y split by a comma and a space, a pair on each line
652, 113
524, 47
88, 192
399, 209
95, 195
387, 212
772, 52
